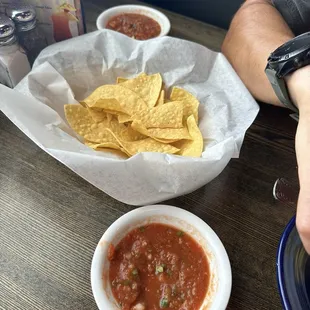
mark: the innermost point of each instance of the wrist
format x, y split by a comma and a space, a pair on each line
298, 88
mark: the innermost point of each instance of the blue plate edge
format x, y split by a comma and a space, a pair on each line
280, 257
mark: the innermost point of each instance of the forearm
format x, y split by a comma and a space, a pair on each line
302, 152
256, 31
298, 84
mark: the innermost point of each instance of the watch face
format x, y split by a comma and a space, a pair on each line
292, 48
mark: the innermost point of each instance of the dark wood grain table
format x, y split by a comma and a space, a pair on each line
51, 219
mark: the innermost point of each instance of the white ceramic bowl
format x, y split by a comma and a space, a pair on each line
162, 19
220, 281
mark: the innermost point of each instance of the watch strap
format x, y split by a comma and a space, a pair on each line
279, 87
295, 116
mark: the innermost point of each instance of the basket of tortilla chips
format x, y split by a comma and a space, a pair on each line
144, 121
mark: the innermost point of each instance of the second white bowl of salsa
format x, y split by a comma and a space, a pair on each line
118, 14
160, 256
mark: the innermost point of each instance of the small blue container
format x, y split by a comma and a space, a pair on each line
293, 270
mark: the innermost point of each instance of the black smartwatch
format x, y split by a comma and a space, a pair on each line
286, 59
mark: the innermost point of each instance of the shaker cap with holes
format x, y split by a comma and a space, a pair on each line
22, 14
7, 31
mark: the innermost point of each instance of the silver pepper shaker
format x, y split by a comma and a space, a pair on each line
7, 30
14, 64
29, 35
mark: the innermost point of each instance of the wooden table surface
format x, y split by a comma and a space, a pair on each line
51, 219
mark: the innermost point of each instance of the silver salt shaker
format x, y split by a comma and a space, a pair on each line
29, 35
14, 64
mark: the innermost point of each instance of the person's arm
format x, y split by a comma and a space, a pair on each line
298, 85
256, 31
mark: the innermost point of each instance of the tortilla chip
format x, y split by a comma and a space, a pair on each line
139, 127
147, 87
169, 134
145, 145
109, 117
97, 114
161, 99
120, 80
165, 140
169, 115
192, 148
109, 104
124, 118
123, 132
190, 102
148, 145
108, 148
119, 153
96, 146
134, 135
82, 123
116, 98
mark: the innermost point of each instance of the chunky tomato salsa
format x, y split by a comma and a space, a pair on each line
158, 267
136, 26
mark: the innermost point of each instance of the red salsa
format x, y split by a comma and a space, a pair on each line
136, 26
158, 267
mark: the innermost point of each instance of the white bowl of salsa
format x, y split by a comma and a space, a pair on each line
136, 21
160, 257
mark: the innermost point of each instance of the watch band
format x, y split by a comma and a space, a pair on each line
279, 87
295, 116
